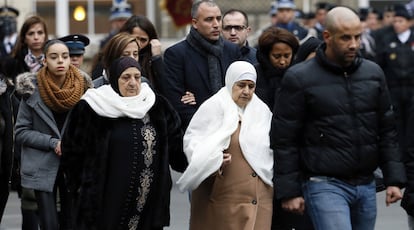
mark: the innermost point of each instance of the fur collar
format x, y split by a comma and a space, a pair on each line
26, 83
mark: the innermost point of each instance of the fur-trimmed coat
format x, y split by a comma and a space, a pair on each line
85, 155
37, 131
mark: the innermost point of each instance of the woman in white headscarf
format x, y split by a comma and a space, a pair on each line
230, 161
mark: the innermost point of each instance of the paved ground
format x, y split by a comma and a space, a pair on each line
389, 218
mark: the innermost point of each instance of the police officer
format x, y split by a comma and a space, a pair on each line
396, 58
76, 44
395, 54
8, 29
286, 19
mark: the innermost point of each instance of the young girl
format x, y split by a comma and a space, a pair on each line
48, 96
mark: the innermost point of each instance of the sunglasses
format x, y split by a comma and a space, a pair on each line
236, 27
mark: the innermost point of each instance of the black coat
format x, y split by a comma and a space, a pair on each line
9, 105
187, 70
85, 153
334, 121
396, 58
269, 79
13, 66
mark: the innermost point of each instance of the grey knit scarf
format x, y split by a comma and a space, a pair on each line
213, 52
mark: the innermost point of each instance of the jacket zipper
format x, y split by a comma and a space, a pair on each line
351, 100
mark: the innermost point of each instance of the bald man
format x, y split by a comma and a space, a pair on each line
333, 125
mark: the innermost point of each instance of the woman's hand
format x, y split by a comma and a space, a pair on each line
155, 47
226, 161
188, 98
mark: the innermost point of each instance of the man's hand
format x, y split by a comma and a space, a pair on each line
393, 194
58, 150
295, 205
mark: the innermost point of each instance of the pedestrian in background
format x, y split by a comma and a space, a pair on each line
121, 45
76, 44
120, 12
307, 50
395, 55
8, 28
335, 127
286, 19
150, 57
276, 50
27, 54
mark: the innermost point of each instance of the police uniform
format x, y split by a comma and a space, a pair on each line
396, 59
8, 29
292, 26
319, 28
76, 43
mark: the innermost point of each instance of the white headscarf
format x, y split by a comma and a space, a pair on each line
211, 127
107, 103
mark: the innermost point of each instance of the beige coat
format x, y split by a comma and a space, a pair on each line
237, 199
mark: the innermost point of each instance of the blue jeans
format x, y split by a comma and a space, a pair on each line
334, 204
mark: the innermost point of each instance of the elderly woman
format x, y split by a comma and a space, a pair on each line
230, 162
117, 148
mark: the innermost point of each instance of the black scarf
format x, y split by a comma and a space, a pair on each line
213, 52
269, 70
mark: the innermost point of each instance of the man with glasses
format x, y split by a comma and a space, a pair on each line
236, 29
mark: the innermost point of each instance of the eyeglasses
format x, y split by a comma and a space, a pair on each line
236, 27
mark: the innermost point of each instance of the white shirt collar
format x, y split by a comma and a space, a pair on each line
404, 36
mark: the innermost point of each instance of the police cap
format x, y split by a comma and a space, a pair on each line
76, 43
8, 11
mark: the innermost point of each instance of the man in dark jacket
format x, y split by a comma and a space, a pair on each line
333, 126
236, 29
197, 65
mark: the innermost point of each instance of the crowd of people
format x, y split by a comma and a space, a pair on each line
283, 135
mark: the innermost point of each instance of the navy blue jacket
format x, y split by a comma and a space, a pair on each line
187, 70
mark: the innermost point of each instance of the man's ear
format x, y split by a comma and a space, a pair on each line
194, 23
